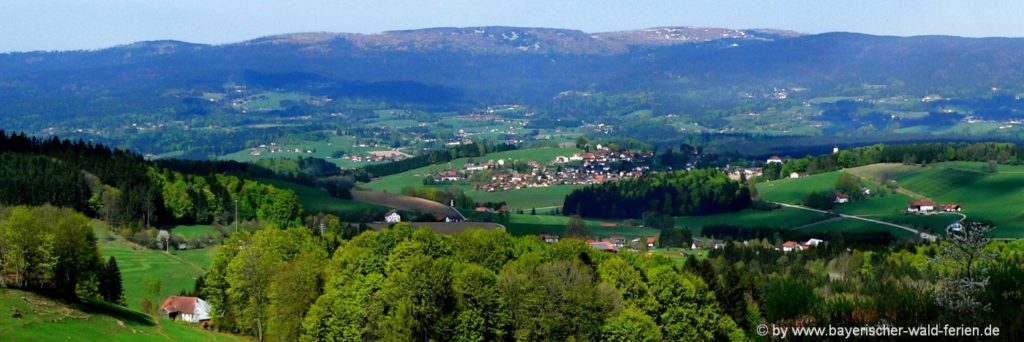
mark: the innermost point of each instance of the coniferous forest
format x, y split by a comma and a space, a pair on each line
699, 192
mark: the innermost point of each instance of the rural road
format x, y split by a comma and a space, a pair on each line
926, 236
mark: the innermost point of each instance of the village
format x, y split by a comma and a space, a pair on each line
599, 166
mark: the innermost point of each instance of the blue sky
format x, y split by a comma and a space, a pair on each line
88, 24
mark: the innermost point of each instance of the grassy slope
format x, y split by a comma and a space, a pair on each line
784, 218
45, 319
990, 196
553, 224
176, 270
317, 200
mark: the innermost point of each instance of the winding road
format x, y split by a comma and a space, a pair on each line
926, 236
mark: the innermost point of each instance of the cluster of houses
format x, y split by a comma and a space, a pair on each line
273, 148
577, 169
611, 244
375, 157
928, 207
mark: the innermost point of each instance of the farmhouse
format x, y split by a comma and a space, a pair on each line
923, 206
651, 241
951, 208
842, 198
790, 246
774, 159
190, 309
393, 217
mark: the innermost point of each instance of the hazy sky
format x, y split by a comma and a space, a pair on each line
87, 24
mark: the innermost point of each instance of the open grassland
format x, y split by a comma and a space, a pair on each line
45, 319
196, 231
520, 225
778, 218
402, 202
176, 271
321, 149
316, 200
414, 178
994, 196
792, 190
853, 226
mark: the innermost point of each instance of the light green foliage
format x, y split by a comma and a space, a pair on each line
47, 248
631, 325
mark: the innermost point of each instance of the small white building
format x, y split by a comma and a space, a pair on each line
393, 217
794, 175
774, 159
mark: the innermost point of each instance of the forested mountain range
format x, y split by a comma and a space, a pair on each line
501, 64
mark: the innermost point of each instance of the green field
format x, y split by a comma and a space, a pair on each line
177, 270
44, 319
853, 226
983, 196
268, 101
316, 200
522, 224
195, 231
779, 218
321, 149
526, 199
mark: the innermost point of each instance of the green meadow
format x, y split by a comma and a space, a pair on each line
994, 196
45, 319
316, 200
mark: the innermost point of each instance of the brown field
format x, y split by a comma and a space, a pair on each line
402, 202
388, 154
444, 227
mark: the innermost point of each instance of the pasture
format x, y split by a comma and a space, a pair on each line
523, 224
778, 218
316, 200
994, 196
45, 319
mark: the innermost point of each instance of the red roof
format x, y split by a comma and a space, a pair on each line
602, 245
481, 209
182, 304
609, 224
789, 244
652, 239
841, 195
922, 203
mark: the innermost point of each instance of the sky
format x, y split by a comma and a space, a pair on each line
29, 25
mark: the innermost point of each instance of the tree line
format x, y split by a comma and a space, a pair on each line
53, 251
1001, 153
676, 193
126, 190
406, 284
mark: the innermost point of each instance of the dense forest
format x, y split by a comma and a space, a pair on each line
53, 251
405, 284
677, 193
128, 191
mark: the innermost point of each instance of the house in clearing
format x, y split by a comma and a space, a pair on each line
923, 206
652, 241
951, 208
190, 309
842, 198
602, 246
774, 159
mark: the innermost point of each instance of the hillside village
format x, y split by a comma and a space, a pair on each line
602, 165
